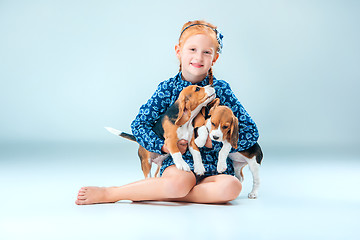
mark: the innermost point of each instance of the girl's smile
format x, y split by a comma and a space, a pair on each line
196, 65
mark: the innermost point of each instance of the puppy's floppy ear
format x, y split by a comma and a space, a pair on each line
213, 104
234, 132
184, 112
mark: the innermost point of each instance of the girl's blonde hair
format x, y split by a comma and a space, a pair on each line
192, 28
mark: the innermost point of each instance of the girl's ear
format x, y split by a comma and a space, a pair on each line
215, 58
177, 51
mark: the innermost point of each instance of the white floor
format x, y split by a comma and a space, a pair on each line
301, 197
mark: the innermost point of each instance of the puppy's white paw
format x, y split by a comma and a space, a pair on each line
202, 136
221, 166
252, 195
179, 162
183, 166
199, 169
200, 142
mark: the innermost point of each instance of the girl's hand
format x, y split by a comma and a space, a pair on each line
182, 145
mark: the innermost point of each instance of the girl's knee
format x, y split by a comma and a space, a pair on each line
179, 184
230, 188
177, 188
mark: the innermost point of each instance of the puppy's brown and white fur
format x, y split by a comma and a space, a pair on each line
223, 126
176, 124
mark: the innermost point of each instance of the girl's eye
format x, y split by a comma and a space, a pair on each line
192, 49
207, 52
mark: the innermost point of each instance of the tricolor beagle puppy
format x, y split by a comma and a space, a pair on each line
176, 124
222, 126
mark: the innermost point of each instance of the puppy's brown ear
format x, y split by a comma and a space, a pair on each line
184, 113
234, 132
213, 104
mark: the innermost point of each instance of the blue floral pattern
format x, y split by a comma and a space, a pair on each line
166, 94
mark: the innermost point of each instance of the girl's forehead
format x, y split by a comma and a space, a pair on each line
200, 39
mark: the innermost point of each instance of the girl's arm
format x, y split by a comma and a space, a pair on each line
248, 132
149, 113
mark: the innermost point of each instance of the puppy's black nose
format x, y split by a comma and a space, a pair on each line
215, 137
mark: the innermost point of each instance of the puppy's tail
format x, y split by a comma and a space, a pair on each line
121, 134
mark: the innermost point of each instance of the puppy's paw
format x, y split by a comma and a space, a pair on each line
203, 133
183, 166
200, 142
221, 166
252, 195
179, 162
199, 169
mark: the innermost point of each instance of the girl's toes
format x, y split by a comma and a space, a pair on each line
82, 190
81, 198
79, 202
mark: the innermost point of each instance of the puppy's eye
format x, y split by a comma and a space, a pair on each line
225, 127
213, 124
197, 89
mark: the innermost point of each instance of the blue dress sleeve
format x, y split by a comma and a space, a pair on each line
248, 132
149, 113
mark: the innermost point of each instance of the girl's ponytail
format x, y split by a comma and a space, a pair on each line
211, 77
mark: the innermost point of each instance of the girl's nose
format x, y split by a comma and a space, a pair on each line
198, 55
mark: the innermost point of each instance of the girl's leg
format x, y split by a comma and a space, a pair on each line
214, 189
174, 183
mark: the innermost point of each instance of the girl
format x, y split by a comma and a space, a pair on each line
198, 49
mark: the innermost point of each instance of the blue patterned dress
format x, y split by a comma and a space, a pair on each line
166, 94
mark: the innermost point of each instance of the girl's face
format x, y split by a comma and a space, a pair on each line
196, 57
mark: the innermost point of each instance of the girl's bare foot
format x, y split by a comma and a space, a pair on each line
91, 195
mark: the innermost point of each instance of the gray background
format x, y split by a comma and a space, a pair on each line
69, 68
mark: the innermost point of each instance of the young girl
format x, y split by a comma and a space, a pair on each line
198, 49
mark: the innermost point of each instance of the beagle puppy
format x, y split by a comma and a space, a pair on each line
176, 124
223, 126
